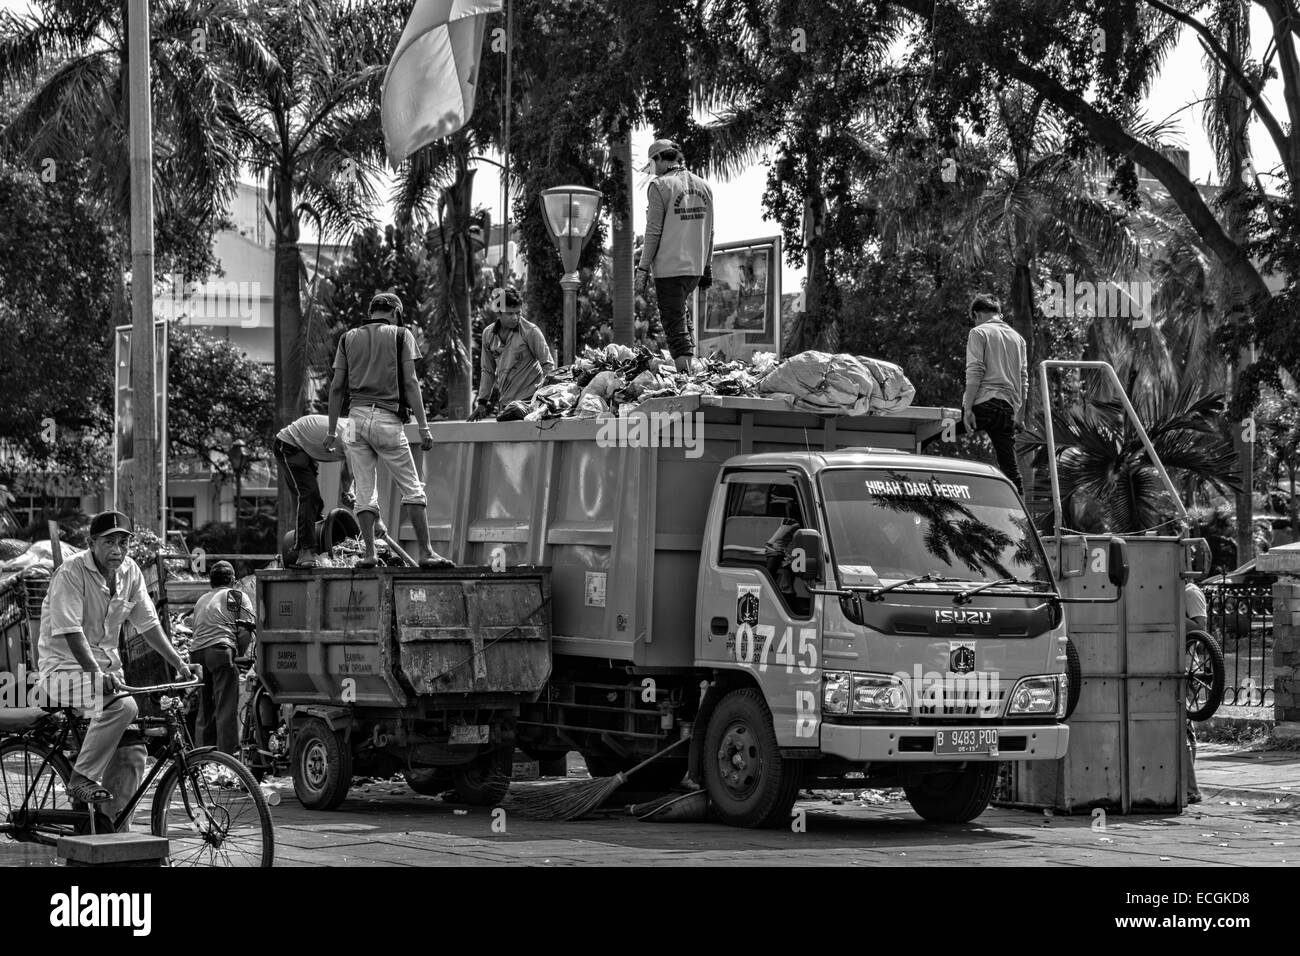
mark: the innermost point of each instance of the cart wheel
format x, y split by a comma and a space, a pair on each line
1205, 675
429, 781
484, 781
322, 765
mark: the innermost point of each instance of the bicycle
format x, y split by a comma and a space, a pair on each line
206, 803
263, 736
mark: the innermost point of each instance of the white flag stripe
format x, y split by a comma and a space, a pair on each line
431, 81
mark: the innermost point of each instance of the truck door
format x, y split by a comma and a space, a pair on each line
755, 611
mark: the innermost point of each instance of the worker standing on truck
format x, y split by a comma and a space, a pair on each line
374, 375
997, 382
515, 357
678, 247
298, 446
223, 627
91, 595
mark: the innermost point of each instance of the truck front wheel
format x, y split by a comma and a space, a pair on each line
322, 765
749, 783
954, 797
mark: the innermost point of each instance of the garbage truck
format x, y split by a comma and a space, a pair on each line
807, 598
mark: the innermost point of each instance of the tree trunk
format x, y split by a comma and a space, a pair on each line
459, 197
287, 313
622, 245
808, 331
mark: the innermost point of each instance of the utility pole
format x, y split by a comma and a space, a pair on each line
146, 482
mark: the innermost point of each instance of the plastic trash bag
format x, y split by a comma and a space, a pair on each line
839, 384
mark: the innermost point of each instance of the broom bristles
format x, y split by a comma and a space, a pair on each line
561, 801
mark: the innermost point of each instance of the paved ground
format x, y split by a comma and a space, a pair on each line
1248, 817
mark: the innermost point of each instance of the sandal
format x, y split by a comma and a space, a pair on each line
368, 563
437, 561
89, 792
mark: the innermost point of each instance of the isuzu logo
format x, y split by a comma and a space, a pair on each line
954, 616
961, 658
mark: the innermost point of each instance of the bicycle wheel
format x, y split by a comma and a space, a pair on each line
214, 814
24, 770
1205, 676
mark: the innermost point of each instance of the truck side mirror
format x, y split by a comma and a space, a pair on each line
806, 554
1117, 563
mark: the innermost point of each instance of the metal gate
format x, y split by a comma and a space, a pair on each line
1241, 619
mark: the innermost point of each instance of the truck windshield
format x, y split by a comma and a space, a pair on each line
887, 525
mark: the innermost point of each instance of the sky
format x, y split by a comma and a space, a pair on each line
738, 210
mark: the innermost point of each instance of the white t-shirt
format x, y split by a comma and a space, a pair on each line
1194, 603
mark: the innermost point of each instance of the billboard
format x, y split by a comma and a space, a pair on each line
124, 415
741, 312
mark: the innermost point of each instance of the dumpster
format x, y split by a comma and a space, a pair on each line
1127, 734
417, 670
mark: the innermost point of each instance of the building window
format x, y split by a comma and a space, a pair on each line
30, 509
180, 513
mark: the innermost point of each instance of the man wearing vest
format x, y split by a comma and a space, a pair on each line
374, 372
515, 358
678, 248
219, 618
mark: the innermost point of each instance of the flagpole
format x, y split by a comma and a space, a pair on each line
505, 159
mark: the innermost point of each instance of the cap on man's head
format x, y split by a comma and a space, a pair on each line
385, 302
985, 303
109, 522
223, 572
657, 147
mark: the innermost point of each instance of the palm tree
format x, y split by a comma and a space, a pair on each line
1109, 485
68, 58
309, 122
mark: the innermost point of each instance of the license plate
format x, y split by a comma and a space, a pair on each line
982, 740
470, 734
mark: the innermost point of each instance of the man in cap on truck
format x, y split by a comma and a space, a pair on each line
91, 595
515, 357
678, 249
374, 375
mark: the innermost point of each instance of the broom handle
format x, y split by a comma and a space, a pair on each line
628, 773
397, 549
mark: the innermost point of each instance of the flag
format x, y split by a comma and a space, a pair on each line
431, 80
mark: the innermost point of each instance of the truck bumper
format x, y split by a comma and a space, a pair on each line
859, 742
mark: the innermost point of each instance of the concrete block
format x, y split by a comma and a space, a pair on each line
1287, 730
113, 849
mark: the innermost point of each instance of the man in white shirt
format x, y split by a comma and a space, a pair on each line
997, 382
298, 447
91, 595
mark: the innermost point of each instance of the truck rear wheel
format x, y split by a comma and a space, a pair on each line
483, 782
429, 781
322, 765
749, 782
954, 797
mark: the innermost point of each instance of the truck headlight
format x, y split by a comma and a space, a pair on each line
878, 694
835, 692
1037, 695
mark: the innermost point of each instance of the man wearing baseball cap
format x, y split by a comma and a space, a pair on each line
91, 595
374, 376
221, 617
678, 249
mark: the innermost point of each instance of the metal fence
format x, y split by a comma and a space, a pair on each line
1241, 618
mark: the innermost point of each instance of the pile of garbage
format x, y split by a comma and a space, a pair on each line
349, 551
603, 381
26, 561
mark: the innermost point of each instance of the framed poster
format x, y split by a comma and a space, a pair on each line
741, 312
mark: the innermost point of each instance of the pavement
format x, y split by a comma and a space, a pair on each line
1249, 816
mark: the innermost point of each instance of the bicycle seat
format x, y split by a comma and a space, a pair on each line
19, 720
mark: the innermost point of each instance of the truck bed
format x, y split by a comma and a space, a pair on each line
620, 527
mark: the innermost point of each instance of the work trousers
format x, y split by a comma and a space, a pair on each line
673, 293
218, 718
997, 419
298, 469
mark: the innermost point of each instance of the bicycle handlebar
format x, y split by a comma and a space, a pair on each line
157, 688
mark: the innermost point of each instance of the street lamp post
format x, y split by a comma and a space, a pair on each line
237, 462
570, 215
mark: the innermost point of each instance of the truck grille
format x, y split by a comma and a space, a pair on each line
961, 703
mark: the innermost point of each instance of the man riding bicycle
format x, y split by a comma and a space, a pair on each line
90, 596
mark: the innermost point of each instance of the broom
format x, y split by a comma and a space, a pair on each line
570, 801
